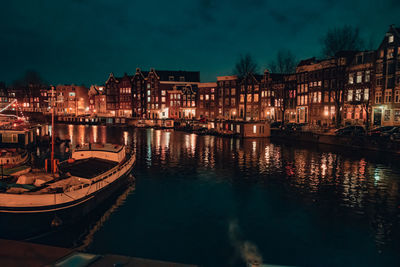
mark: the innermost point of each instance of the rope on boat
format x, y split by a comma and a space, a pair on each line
68, 196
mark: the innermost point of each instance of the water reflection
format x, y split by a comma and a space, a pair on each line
340, 185
87, 240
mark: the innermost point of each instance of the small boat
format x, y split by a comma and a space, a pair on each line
13, 161
92, 174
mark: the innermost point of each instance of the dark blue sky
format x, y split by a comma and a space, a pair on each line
82, 41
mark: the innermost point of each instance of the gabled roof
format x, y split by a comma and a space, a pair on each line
392, 31
189, 76
307, 61
111, 77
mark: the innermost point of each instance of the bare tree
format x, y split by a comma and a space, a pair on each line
245, 67
346, 38
285, 62
29, 77
365, 105
338, 100
29, 84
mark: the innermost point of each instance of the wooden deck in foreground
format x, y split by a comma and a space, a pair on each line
17, 253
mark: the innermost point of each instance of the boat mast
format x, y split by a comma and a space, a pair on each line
52, 130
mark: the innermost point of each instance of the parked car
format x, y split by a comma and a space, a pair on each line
395, 136
292, 127
353, 130
276, 124
392, 133
379, 130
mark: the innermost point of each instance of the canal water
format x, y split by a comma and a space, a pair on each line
221, 202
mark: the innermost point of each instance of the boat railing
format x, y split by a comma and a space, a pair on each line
115, 169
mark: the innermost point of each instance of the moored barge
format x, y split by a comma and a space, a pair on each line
82, 183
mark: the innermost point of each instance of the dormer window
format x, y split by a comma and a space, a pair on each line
171, 78
182, 78
391, 39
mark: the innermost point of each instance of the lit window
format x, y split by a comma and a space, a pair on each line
256, 98
366, 94
358, 95
388, 96
367, 76
351, 78
378, 97
390, 53
391, 39
397, 115
350, 95
397, 96
359, 77
254, 129
386, 116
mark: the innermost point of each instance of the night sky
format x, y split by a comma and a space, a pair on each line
83, 41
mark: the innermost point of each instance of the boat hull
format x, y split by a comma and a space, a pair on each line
25, 222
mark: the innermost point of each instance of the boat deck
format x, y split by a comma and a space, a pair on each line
88, 168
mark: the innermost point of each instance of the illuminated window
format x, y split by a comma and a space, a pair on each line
367, 76
397, 115
388, 96
358, 95
351, 78
359, 77
378, 97
254, 129
391, 39
390, 53
366, 94
350, 95
386, 115
397, 96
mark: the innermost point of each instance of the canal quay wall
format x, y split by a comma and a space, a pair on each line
17, 253
353, 142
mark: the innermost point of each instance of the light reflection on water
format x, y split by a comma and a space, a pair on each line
363, 189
